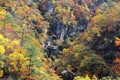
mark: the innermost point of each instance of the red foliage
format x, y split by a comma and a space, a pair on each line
116, 67
86, 1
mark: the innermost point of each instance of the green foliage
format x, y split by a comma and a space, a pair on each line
21, 53
85, 78
108, 78
95, 78
83, 59
24, 27
10, 19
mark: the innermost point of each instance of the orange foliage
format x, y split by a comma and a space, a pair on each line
9, 28
117, 42
20, 11
116, 67
71, 1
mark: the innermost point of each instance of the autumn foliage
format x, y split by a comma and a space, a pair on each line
59, 39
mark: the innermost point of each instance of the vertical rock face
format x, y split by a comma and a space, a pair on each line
59, 31
62, 31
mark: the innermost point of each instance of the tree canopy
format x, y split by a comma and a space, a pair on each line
59, 39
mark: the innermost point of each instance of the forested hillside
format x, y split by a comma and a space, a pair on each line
59, 39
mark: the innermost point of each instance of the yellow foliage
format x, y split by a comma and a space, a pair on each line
1, 38
82, 78
2, 49
1, 73
117, 41
76, 47
1, 24
59, 42
86, 36
95, 29
85, 78
18, 61
20, 11
34, 40
99, 19
2, 13
86, 57
53, 1
16, 42
98, 10
26, 7
69, 67
2, 64
76, 55
65, 50
15, 56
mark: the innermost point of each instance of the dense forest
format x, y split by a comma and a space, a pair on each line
59, 39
